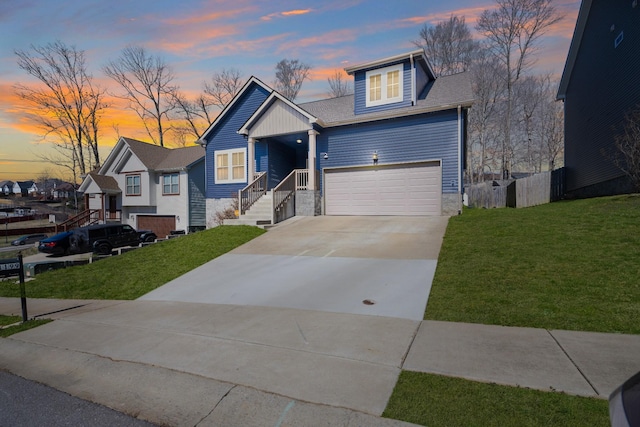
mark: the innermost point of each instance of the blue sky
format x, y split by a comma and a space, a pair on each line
198, 38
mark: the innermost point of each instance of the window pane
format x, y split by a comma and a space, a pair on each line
223, 160
393, 84
238, 159
222, 174
375, 88
238, 172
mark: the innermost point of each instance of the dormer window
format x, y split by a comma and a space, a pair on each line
384, 85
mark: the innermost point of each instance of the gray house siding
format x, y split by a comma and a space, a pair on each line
602, 88
227, 137
360, 91
432, 136
197, 202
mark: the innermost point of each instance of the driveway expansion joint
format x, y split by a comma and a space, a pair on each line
574, 364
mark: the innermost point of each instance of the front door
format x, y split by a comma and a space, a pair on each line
112, 207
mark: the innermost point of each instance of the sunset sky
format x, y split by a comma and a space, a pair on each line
199, 38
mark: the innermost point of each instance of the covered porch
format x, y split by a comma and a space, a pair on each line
282, 160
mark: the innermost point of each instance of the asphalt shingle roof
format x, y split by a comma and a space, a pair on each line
444, 93
155, 157
104, 182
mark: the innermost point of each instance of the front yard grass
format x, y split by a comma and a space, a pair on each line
570, 265
10, 320
434, 400
135, 273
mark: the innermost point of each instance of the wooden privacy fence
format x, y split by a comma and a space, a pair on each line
534, 190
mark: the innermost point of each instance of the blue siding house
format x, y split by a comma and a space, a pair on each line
599, 86
394, 147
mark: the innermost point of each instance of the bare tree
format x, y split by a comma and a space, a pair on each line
339, 85
448, 45
512, 28
485, 116
193, 118
148, 87
627, 144
223, 87
196, 115
67, 107
290, 74
552, 128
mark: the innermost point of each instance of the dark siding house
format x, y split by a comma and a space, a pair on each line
394, 147
599, 85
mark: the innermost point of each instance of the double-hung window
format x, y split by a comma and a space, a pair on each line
170, 184
231, 166
384, 86
132, 185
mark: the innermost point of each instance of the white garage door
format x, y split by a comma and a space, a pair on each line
407, 189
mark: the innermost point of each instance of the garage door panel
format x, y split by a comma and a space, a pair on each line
161, 225
388, 190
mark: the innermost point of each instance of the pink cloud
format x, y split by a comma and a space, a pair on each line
287, 13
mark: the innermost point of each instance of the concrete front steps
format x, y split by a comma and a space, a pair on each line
259, 213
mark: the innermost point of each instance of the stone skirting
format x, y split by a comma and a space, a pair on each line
216, 205
451, 204
308, 203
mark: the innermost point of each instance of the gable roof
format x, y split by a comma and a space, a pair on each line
418, 55
106, 183
276, 96
154, 157
252, 81
24, 185
181, 158
576, 40
444, 93
150, 155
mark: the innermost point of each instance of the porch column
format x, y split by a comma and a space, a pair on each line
251, 159
312, 160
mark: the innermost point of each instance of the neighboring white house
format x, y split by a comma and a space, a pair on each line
149, 187
25, 188
6, 187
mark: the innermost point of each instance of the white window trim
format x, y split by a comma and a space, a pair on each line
383, 72
229, 166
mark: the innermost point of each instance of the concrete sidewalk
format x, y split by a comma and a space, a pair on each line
180, 363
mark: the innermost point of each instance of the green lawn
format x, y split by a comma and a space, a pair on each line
434, 400
567, 265
133, 274
9, 320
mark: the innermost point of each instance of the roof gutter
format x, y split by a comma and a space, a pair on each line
413, 80
392, 114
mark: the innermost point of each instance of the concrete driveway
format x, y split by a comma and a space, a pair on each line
380, 266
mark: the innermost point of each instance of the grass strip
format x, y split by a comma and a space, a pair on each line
9, 320
434, 400
135, 273
566, 265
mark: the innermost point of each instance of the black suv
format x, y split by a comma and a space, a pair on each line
103, 238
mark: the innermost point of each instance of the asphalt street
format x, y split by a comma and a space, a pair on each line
28, 403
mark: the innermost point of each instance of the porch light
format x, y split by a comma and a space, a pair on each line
375, 157
325, 156
299, 141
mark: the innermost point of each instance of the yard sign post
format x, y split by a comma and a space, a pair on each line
23, 293
15, 267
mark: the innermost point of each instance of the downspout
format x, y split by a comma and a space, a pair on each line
460, 159
413, 81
